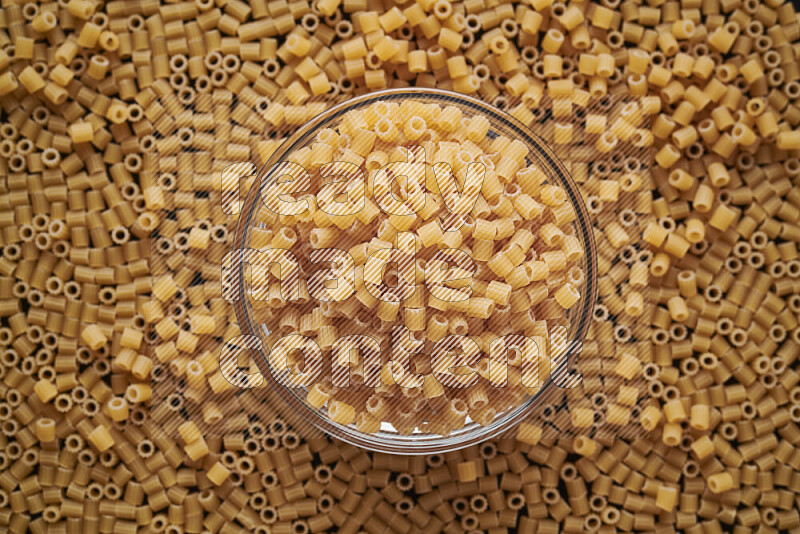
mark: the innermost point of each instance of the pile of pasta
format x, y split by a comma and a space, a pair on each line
119, 120
447, 231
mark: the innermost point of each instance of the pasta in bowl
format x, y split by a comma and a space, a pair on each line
416, 266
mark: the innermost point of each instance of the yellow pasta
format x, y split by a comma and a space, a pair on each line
429, 298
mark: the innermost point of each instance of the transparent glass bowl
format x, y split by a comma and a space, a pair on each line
388, 440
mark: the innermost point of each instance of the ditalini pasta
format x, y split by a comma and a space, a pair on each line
118, 121
450, 220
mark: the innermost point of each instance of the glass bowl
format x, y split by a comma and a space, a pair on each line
389, 440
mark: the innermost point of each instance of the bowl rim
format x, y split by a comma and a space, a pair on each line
425, 443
